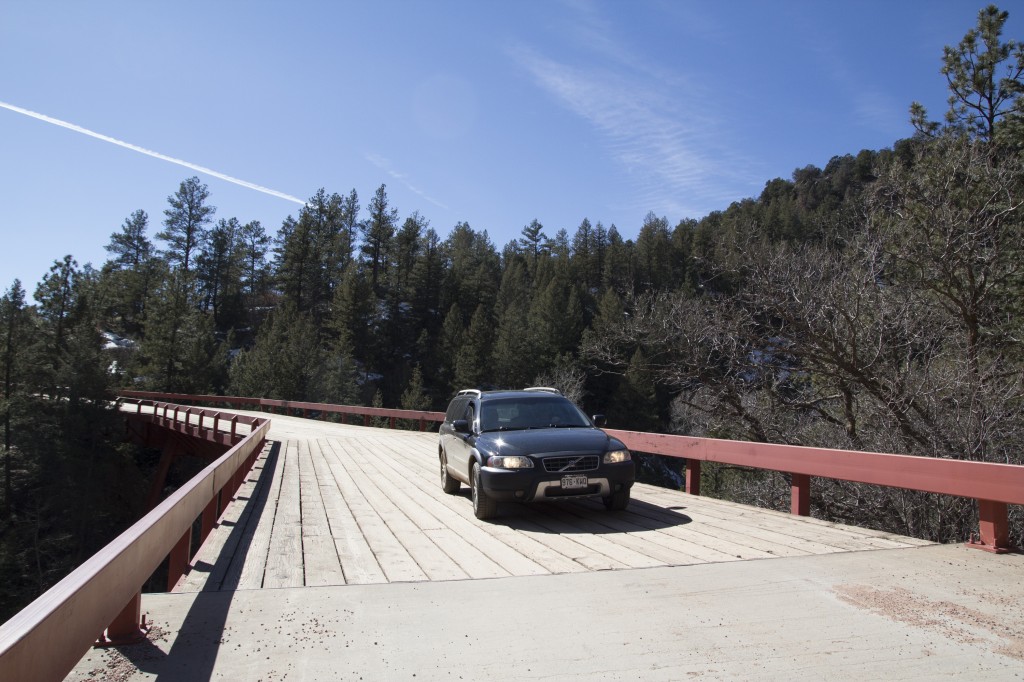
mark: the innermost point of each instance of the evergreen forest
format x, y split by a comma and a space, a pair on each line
873, 304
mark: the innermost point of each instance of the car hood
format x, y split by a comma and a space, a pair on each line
545, 441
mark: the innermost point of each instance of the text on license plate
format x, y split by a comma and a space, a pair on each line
574, 482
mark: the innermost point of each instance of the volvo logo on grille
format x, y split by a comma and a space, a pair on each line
570, 464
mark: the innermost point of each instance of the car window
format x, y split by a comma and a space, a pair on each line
517, 413
455, 410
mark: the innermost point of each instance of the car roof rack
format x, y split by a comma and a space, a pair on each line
470, 391
543, 389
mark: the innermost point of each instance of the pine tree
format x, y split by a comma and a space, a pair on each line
130, 248
533, 241
984, 76
127, 277
514, 359
310, 254
426, 314
452, 333
653, 252
185, 223
172, 314
349, 232
255, 277
378, 231
350, 324
636, 401
584, 257
341, 376
471, 362
617, 268
286, 362
413, 397
57, 296
219, 273
14, 331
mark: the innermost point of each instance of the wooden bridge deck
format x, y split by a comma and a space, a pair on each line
329, 504
569, 591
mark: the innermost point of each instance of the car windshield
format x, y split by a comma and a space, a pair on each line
509, 414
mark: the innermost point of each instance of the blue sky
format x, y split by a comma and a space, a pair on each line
492, 113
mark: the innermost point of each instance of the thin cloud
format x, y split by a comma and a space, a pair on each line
385, 165
667, 145
149, 152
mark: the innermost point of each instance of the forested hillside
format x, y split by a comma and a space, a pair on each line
873, 304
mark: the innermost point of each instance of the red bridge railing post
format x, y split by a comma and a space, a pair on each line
178, 562
209, 518
993, 526
800, 494
128, 627
693, 476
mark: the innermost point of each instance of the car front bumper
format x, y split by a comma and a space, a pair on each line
534, 485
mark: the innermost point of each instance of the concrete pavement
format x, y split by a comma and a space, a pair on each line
896, 614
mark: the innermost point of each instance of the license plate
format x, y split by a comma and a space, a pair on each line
574, 482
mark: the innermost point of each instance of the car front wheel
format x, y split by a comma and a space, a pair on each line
484, 507
617, 501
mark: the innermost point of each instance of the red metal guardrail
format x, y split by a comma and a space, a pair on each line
286, 406
993, 485
47, 638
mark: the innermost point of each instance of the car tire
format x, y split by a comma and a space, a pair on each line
617, 501
484, 507
449, 484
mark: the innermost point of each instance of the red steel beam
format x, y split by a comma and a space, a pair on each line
962, 478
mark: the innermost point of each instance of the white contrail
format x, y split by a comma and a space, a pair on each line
149, 152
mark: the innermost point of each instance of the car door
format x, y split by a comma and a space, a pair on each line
461, 444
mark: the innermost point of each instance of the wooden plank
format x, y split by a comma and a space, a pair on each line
580, 552
468, 537
514, 552
322, 565
433, 561
394, 559
248, 573
700, 532
284, 558
358, 562
800, 532
643, 535
587, 532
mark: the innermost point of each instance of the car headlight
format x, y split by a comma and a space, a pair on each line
509, 462
616, 457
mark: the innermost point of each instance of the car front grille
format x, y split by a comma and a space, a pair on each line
570, 463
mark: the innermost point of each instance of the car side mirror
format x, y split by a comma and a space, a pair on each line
461, 425
599, 420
